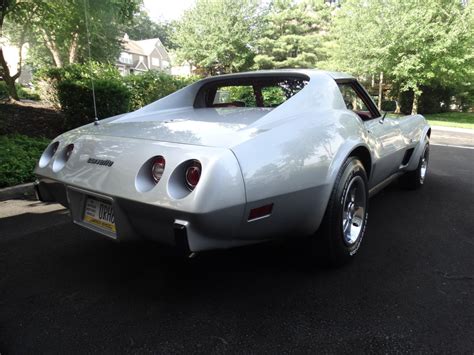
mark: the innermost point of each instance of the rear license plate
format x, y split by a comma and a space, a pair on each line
99, 213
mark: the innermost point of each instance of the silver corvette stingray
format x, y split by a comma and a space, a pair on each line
238, 159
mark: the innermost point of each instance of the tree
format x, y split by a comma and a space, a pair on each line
293, 34
56, 30
18, 12
60, 27
143, 27
414, 42
218, 36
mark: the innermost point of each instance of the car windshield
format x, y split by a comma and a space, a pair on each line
249, 92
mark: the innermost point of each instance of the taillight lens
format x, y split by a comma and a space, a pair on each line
193, 174
157, 168
69, 150
54, 148
48, 154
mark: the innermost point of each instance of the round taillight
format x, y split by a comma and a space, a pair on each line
69, 150
62, 157
193, 174
54, 148
48, 154
157, 168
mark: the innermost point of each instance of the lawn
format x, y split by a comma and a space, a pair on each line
452, 119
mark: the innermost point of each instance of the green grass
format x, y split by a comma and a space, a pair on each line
18, 157
448, 119
452, 119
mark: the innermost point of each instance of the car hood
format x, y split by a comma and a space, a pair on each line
216, 127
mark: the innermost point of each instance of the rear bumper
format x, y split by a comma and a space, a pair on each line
189, 232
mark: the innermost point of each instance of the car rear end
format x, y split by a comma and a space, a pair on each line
125, 188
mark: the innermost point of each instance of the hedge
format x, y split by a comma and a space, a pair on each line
68, 88
18, 157
389, 105
152, 85
47, 80
112, 98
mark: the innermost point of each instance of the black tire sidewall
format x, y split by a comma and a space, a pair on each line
339, 250
411, 180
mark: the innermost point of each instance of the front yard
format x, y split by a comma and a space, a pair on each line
452, 119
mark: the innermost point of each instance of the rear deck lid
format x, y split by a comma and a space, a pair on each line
215, 127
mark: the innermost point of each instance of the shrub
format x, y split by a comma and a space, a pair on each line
434, 99
18, 157
47, 80
406, 102
389, 105
68, 88
27, 93
112, 98
152, 85
23, 93
3, 90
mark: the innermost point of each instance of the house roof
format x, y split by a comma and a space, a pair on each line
149, 44
143, 47
133, 47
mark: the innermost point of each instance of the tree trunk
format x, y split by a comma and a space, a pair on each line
414, 107
380, 91
9, 80
73, 48
397, 107
53, 49
11, 88
4, 69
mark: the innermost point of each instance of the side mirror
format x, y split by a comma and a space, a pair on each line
383, 117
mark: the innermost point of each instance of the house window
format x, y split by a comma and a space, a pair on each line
155, 62
126, 58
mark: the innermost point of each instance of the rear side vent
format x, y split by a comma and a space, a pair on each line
407, 156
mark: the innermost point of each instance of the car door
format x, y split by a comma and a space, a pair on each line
385, 136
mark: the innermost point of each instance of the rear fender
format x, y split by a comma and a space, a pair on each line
423, 138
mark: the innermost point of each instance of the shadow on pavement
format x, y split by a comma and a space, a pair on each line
410, 288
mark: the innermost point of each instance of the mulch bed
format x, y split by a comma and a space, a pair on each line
31, 119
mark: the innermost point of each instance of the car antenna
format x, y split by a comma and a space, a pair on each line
96, 120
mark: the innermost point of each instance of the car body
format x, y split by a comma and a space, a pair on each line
265, 171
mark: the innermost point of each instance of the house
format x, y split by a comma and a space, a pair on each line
140, 56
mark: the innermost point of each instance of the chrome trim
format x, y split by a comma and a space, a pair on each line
354, 207
380, 186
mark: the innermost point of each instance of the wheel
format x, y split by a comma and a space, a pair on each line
341, 232
415, 179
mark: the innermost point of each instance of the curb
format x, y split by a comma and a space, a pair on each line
24, 191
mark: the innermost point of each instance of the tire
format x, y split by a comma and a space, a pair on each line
415, 179
341, 232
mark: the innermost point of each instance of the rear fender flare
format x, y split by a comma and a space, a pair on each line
415, 158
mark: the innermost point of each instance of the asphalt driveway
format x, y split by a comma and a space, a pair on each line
64, 289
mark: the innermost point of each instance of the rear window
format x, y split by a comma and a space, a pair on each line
249, 92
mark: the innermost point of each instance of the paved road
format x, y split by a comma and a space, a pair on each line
63, 289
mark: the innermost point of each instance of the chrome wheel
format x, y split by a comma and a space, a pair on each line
424, 166
354, 207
